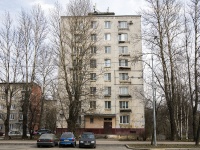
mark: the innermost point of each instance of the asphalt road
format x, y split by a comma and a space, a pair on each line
34, 147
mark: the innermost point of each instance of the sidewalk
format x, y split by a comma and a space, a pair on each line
99, 141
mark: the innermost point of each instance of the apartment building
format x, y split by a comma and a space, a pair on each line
116, 76
16, 116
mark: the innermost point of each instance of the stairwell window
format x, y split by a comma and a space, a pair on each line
107, 76
93, 104
93, 37
123, 24
93, 90
93, 63
93, 50
123, 91
107, 63
107, 49
123, 49
107, 104
107, 36
124, 119
123, 104
93, 24
92, 76
12, 116
107, 24
123, 37
123, 76
107, 91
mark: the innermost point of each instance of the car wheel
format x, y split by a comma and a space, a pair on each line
38, 145
9, 137
53, 145
60, 145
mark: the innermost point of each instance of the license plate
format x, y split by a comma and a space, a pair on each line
87, 143
66, 140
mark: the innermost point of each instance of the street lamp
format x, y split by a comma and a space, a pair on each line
154, 104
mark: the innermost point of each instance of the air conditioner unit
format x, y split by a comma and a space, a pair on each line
130, 22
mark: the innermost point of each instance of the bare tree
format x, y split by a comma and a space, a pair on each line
33, 28
194, 13
9, 59
74, 45
163, 19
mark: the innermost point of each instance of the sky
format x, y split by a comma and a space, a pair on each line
120, 7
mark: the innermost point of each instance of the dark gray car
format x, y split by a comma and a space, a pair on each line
47, 139
87, 139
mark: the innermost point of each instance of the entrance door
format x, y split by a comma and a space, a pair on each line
107, 127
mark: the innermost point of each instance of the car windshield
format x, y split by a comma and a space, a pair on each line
67, 135
88, 136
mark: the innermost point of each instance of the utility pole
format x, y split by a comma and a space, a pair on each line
154, 103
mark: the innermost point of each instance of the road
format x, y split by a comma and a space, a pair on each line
34, 147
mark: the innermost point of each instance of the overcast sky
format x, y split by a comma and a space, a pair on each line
120, 7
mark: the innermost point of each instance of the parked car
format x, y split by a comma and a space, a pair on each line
43, 131
15, 134
67, 138
47, 139
87, 139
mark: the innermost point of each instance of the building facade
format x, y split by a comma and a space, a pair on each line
16, 115
117, 72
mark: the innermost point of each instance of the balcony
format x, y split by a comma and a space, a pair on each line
125, 81
124, 54
124, 95
124, 68
125, 110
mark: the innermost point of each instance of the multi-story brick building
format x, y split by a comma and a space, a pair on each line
120, 107
16, 116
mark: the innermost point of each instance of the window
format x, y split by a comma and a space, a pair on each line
91, 120
79, 120
123, 24
123, 90
107, 24
107, 62
93, 50
123, 50
93, 24
92, 90
11, 126
21, 116
12, 116
93, 104
123, 62
1, 106
92, 76
107, 91
78, 38
124, 119
123, 37
107, 76
93, 63
1, 126
123, 104
93, 37
107, 104
107, 49
3, 97
107, 36
12, 107
123, 76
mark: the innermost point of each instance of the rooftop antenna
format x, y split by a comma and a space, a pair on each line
108, 9
94, 7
